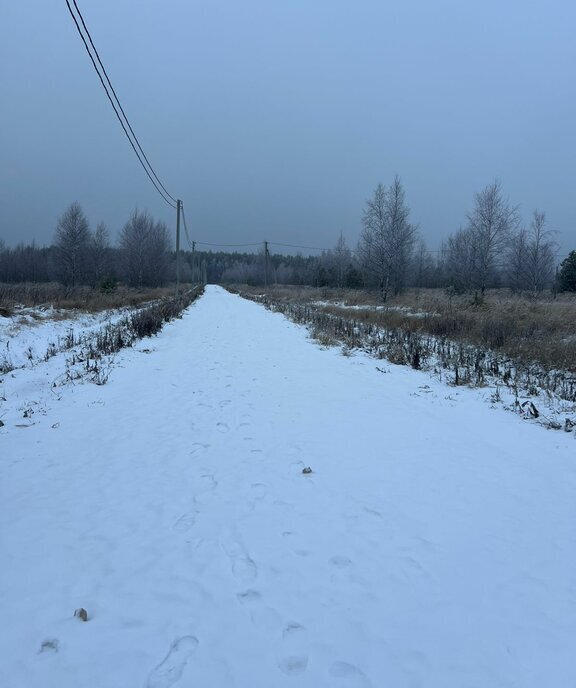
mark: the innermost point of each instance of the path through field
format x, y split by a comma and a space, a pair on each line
433, 544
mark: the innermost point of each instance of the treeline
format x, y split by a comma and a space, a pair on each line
78, 255
494, 248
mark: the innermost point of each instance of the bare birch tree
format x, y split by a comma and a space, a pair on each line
336, 262
540, 258
341, 260
458, 257
145, 245
518, 261
99, 254
491, 224
531, 256
387, 240
422, 266
71, 243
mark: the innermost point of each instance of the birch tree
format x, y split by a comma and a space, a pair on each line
387, 239
491, 224
336, 262
145, 245
540, 254
99, 254
531, 256
518, 261
458, 256
72, 238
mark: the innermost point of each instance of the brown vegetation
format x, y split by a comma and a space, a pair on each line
530, 346
540, 330
92, 346
87, 362
84, 298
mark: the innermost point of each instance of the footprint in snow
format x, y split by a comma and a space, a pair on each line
373, 512
184, 523
209, 482
222, 427
294, 658
302, 552
249, 597
243, 568
172, 666
261, 615
259, 490
205, 493
349, 675
198, 447
340, 562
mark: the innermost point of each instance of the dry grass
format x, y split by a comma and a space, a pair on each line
90, 348
540, 330
546, 335
304, 294
52, 294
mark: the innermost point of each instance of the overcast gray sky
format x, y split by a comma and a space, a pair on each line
275, 119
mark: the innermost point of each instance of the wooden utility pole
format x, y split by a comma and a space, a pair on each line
266, 263
178, 206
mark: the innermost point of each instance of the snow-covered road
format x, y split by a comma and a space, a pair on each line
433, 545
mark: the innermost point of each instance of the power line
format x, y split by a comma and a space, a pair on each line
206, 243
276, 243
185, 226
165, 195
259, 243
310, 248
119, 103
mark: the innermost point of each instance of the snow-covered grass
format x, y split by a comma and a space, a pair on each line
83, 352
29, 334
530, 329
33, 335
520, 384
405, 310
15, 296
432, 543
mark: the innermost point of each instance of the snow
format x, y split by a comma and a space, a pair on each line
26, 336
405, 310
432, 545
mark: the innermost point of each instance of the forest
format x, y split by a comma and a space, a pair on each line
494, 248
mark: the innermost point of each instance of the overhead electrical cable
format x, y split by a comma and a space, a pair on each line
310, 248
259, 243
165, 195
119, 103
186, 226
207, 243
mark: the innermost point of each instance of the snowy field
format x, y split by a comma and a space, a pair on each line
30, 332
433, 545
